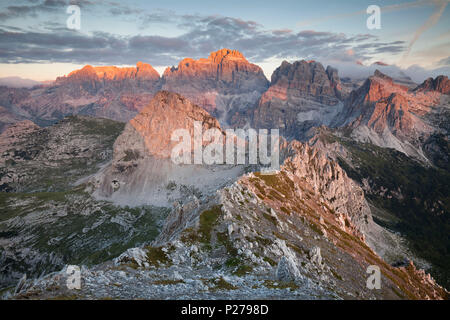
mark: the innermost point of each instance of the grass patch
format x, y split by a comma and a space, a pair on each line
242, 270
271, 284
157, 257
270, 218
208, 219
168, 282
270, 261
263, 241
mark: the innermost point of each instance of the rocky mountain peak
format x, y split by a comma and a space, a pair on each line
104, 91
309, 78
440, 84
145, 71
86, 73
381, 75
335, 81
229, 66
385, 113
142, 71
222, 84
301, 95
154, 125
379, 86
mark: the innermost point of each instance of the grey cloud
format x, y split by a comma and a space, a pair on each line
38, 7
202, 34
444, 62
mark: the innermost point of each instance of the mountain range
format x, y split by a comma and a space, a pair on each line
86, 178
299, 97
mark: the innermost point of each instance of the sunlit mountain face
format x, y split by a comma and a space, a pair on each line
167, 150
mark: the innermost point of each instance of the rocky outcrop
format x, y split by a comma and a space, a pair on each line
264, 235
287, 270
301, 95
223, 69
9, 97
330, 181
14, 135
374, 89
335, 81
306, 79
222, 84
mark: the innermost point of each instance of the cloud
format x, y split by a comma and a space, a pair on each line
202, 34
415, 73
440, 6
419, 74
33, 10
432, 20
444, 62
389, 8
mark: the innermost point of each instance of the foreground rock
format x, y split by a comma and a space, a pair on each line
242, 244
279, 236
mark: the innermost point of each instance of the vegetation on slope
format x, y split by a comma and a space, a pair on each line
417, 196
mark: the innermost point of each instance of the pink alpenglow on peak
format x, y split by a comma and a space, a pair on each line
142, 71
223, 84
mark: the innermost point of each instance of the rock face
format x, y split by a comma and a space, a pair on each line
440, 84
381, 104
224, 236
155, 123
227, 245
335, 81
142, 164
303, 231
117, 93
222, 84
306, 79
404, 193
301, 95
387, 114
16, 134
329, 180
